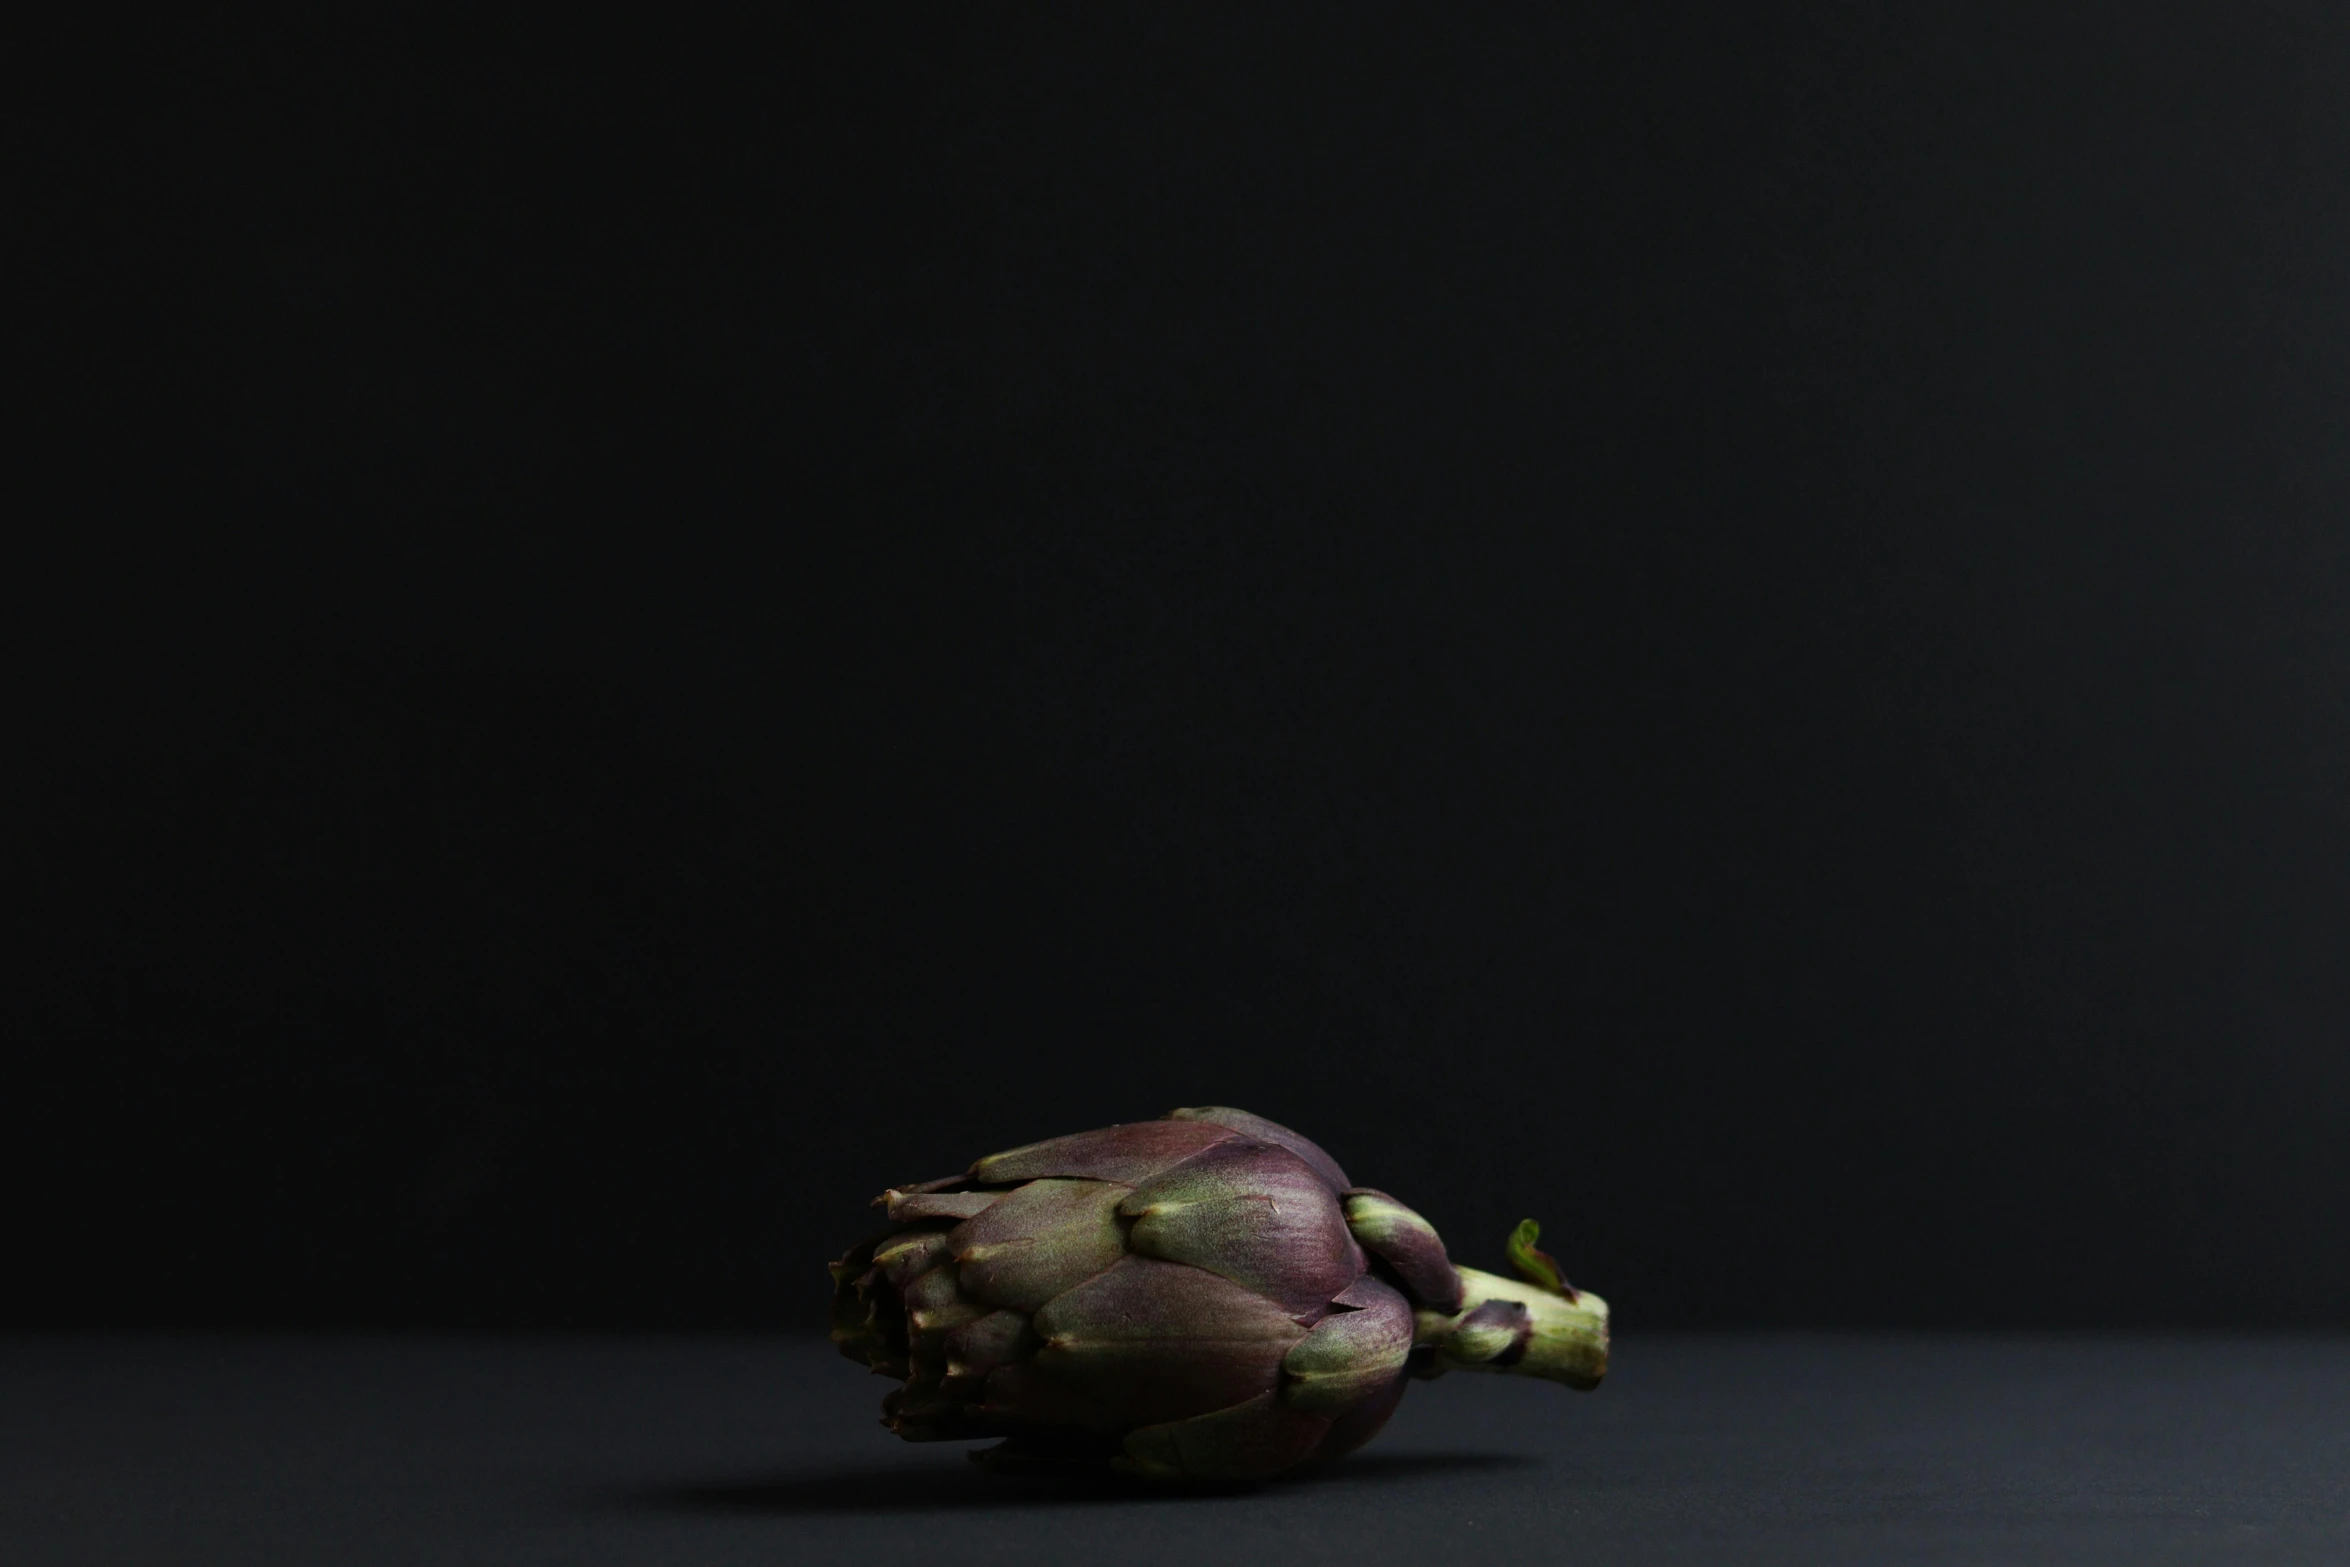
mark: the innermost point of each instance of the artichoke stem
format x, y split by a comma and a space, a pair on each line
1568, 1342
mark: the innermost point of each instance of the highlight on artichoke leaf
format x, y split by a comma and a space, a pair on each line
1204, 1297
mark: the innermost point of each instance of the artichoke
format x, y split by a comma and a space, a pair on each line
1202, 1297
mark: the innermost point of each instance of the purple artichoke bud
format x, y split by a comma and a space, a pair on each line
1203, 1297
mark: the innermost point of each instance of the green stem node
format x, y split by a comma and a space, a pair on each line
1569, 1337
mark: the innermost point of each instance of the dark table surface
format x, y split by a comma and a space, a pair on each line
709, 1452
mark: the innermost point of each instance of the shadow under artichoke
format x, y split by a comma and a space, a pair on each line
896, 1488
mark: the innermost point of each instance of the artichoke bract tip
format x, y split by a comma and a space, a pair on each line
1203, 1297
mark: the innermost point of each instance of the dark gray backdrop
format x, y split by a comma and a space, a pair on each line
1724, 626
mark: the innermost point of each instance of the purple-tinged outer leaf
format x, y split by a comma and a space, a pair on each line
1364, 1421
1152, 1341
1407, 1243
1133, 1152
1255, 1214
1273, 1132
1041, 1240
1351, 1354
1260, 1437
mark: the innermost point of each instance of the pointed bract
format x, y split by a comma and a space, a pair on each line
936, 1306
907, 1206
1041, 1240
979, 1347
1351, 1354
1255, 1214
906, 1257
